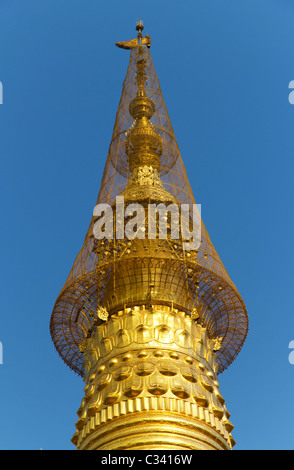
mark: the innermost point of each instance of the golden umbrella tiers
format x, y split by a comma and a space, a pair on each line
117, 275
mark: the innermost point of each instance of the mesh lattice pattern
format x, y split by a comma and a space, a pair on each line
115, 275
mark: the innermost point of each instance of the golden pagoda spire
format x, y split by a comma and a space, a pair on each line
144, 144
148, 322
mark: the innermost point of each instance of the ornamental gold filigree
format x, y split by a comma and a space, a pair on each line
102, 313
148, 324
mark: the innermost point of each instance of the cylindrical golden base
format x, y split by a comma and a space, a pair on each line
156, 430
151, 383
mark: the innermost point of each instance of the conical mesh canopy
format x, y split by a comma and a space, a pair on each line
118, 275
117, 171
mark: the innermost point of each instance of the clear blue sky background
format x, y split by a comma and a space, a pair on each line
224, 69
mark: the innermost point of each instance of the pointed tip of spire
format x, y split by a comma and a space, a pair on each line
138, 41
139, 28
139, 25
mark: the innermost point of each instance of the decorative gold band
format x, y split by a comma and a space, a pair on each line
154, 422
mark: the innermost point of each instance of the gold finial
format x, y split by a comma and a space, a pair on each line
144, 144
139, 25
139, 40
139, 28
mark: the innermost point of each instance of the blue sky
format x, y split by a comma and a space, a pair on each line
224, 69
